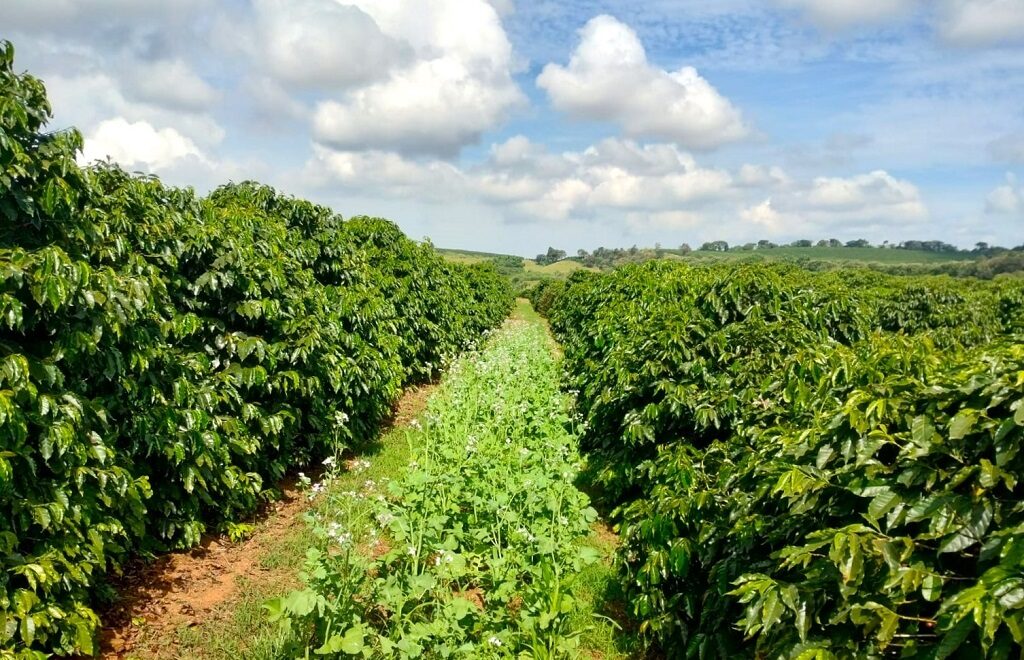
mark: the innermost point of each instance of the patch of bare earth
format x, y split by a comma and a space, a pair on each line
158, 598
606, 537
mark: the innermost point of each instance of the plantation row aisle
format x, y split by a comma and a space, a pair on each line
480, 546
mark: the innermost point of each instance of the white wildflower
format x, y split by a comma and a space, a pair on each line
337, 533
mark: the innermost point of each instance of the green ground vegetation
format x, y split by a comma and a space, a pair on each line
487, 547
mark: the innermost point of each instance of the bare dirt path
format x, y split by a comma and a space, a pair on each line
182, 589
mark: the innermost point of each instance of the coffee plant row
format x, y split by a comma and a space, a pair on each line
472, 551
806, 465
165, 358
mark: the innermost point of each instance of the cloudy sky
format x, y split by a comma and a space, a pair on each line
511, 125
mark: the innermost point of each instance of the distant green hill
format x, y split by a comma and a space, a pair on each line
864, 254
525, 273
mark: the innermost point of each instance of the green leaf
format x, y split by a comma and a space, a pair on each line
931, 587
1010, 593
889, 624
300, 603
922, 431
590, 555
962, 424
882, 503
952, 639
971, 533
353, 642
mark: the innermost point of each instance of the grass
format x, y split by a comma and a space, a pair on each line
601, 605
245, 634
563, 268
460, 258
524, 311
468, 256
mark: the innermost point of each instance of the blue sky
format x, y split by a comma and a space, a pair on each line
508, 125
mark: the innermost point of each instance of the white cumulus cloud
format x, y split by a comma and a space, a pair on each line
385, 172
1007, 199
860, 202
524, 176
609, 78
322, 43
759, 176
983, 22
138, 144
653, 189
457, 85
877, 191
104, 99
764, 215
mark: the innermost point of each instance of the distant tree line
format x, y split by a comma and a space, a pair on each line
980, 249
603, 257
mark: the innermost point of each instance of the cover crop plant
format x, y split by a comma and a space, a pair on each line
482, 534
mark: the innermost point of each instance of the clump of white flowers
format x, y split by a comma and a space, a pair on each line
358, 465
338, 534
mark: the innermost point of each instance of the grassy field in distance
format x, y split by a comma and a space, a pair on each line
559, 269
